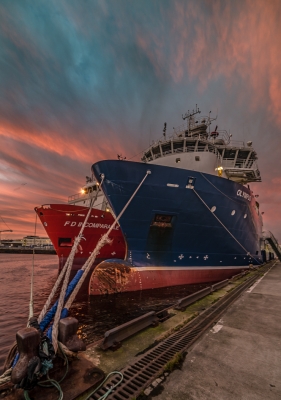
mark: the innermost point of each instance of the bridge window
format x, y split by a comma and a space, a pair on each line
156, 150
148, 154
166, 148
178, 145
229, 154
190, 146
201, 146
243, 154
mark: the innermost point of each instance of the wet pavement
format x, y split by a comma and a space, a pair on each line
240, 357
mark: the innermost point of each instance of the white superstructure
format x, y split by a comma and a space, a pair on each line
193, 147
88, 192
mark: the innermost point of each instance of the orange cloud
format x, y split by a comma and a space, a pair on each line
83, 147
230, 40
226, 50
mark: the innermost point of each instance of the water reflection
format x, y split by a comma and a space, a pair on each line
97, 314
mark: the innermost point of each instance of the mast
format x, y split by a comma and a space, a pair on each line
189, 115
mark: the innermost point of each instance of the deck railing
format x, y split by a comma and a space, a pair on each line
78, 197
239, 163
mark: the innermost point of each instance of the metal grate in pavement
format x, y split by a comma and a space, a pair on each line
150, 365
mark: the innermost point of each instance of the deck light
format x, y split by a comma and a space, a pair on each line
220, 170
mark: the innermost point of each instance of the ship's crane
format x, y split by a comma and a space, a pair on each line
5, 230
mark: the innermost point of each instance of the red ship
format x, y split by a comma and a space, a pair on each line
63, 222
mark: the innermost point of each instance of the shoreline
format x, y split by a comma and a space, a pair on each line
27, 251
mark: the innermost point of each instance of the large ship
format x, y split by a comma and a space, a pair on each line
63, 222
194, 217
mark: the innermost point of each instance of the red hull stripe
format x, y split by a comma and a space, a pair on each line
121, 278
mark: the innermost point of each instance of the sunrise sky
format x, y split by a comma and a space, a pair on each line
81, 81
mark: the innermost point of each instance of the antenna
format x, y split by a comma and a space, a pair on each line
164, 130
190, 114
209, 122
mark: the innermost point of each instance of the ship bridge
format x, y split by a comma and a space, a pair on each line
194, 146
239, 162
88, 192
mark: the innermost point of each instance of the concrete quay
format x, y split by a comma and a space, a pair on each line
240, 357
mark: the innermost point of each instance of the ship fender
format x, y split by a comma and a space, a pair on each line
114, 276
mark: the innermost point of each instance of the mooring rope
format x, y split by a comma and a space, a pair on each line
6, 376
31, 311
51, 381
87, 266
103, 240
110, 389
235, 201
68, 264
247, 252
65, 284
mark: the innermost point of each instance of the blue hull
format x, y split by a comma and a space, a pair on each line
194, 236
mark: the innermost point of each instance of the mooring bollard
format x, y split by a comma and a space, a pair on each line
68, 334
28, 340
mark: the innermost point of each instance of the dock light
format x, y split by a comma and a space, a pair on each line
219, 169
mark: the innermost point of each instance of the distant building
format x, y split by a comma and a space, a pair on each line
37, 241
11, 242
27, 241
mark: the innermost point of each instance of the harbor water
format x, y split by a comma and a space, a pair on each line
95, 314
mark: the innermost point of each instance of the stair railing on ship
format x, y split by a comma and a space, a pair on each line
274, 243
